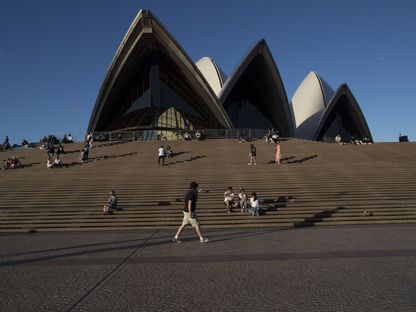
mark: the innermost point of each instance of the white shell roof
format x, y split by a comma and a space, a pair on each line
308, 104
212, 73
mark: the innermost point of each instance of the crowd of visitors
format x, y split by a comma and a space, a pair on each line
197, 135
102, 138
272, 135
242, 202
67, 139
355, 140
53, 159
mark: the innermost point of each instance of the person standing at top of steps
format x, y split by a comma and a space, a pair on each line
252, 155
189, 214
161, 155
277, 143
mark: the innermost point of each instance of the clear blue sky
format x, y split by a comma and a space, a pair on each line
54, 54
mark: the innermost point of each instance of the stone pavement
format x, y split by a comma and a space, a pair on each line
348, 268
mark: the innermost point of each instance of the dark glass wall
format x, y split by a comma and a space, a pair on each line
156, 95
343, 121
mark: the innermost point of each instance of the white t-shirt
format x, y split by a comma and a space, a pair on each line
161, 151
254, 202
228, 196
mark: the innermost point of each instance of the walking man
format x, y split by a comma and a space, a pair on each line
189, 214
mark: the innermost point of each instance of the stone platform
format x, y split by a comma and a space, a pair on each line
349, 268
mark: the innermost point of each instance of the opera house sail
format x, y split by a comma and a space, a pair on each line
308, 104
343, 117
153, 86
254, 95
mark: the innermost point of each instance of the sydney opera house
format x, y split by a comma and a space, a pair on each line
152, 84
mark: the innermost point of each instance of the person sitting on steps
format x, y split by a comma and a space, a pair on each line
57, 162
15, 163
169, 152
111, 205
25, 143
7, 164
49, 162
229, 199
243, 200
255, 205
187, 136
198, 135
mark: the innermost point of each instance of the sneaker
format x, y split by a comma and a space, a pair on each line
204, 240
249, 164
176, 240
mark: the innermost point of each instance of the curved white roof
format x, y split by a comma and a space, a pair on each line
308, 104
212, 73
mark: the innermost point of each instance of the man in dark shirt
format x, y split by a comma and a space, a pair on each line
189, 214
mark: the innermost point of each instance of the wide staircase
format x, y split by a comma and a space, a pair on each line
330, 184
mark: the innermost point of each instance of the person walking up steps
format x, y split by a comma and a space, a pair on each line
189, 214
161, 155
252, 155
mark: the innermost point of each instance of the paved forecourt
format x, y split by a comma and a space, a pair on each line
350, 268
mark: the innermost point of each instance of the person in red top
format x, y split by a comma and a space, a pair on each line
15, 163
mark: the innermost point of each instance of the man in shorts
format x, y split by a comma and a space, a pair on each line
189, 214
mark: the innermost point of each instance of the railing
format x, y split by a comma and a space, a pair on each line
247, 134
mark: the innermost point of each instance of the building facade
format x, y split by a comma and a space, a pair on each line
152, 84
